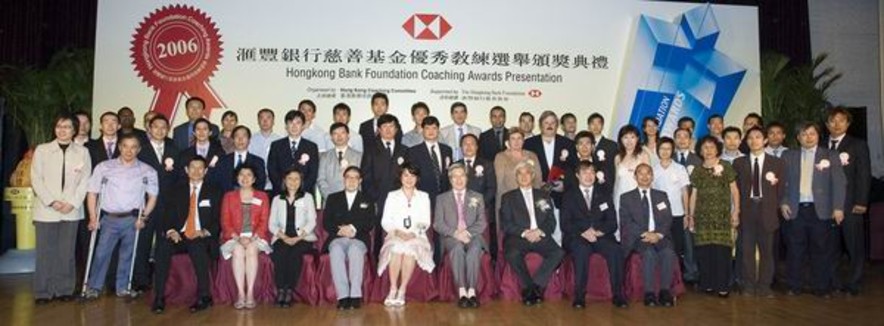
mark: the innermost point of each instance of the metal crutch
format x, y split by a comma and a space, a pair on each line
135, 245
92, 239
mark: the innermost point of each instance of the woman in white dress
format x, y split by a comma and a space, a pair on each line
628, 158
406, 219
650, 137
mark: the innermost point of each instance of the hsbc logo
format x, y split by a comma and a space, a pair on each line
535, 93
426, 26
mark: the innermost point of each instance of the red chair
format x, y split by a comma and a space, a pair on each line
510, 289
876, 231
326, 285
634, 289
224, 288
181, 284
598, 282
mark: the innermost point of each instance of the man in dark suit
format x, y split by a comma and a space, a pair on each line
813, 206
105, 147
528, 221
183, 133
293, 150
685, 156
589, 221
481, 178
432, 159
380, 166
493, 140
191, 224
158, 151
370, 128
349, 219
203, 145
758, 178
559, 147
645, 227
127, 124
854, 156
224, 170
604, 149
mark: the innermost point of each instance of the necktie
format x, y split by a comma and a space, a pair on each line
587, 198
390, 148
160, 150
190, 226
834, 145
458, 153
461, 220
110, 149
294, 149
340, 157
682, 159
435, 159
805, 183
238, 160
470, 165
499, 139
756, 187
646, 210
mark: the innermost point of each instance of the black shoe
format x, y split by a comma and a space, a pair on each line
65, 298
474, 302
528, 297
201, 304
280, 297
463, 302
578, 304
538, 294
650, 300
823, 294
355, 303
287, 298
344, 304
42, 301
158, 307
619, 302
666, 299
723, 294
851, 290
794, 292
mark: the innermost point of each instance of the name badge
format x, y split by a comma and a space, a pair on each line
603, 207
661, 206
205, 203
363, 205
257, 202
245, 235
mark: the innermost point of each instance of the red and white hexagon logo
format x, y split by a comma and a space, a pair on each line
426, 26
535, 93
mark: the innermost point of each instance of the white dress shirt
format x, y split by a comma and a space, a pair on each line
549, 149
529, 203
672, 180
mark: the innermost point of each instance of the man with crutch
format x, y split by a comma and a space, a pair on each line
122, 184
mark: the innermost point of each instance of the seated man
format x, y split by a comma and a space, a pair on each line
460, 222
589, 221
527, 221
349, 219
645, 220
192, 225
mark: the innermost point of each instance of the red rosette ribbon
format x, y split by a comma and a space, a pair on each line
175, 50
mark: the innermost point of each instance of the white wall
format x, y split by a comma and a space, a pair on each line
851, 33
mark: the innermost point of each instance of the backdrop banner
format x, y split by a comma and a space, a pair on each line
623, 59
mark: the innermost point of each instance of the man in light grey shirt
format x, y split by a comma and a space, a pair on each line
415, 136
313, 132
335, 161
261, 140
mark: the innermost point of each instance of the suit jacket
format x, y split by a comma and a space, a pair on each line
692, 161
489, 145
280, 159
429, 182
46, 175
565, 157
633, 223
305, 217
98, 151
208, 205
484, 183
603, 155
331, 174
167, 179
514, 216
232, 215
576, 217
854, 156
179, 134
381, 171
223, 171
448, 134
369, 136
771, 192
362, 214
828, 184
445, 216
214, 153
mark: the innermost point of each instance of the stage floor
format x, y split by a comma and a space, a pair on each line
17, 308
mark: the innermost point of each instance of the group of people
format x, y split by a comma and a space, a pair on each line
434, 194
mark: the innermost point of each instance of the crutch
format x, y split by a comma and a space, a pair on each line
92, 237
135, 245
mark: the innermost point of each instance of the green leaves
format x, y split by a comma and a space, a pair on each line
35, 96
